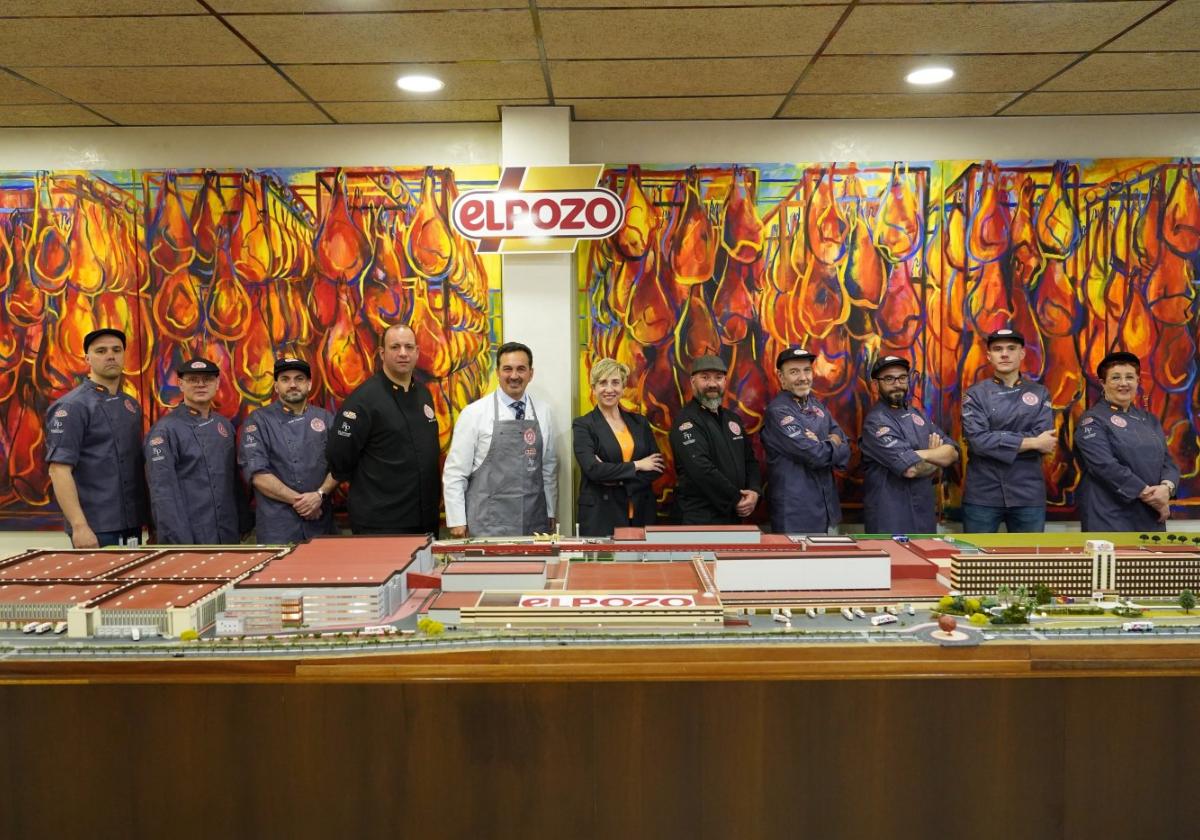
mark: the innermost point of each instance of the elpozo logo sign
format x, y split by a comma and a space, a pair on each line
538, 209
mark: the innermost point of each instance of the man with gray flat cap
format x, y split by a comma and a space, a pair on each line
717, 475
902, 453
804, 445
94, 450
282, 456
191, 466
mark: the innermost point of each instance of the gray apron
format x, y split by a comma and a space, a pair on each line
506, 496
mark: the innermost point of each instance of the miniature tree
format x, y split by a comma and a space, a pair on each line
971, 606
979, 619
946, 602
1043, 594
189, 635
1187, 600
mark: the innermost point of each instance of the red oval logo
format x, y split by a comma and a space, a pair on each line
565, 214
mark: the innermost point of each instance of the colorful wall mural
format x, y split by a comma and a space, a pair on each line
239, 267
920, 259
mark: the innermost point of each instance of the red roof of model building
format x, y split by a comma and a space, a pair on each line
637, 577
157, 596
53, 593
69, 565
216, 563
341, 561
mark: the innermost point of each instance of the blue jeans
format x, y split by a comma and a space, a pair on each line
986, 519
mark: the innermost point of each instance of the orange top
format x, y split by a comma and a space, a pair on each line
625, 439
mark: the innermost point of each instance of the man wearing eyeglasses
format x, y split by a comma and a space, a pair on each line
902, 452
1008, 426
804, 444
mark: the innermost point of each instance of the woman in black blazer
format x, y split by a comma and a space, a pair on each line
618, 456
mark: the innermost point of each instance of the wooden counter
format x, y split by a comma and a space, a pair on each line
1005, 740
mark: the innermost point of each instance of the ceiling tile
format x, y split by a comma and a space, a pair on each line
1108, 102
665, 33
637, 4
253, 83
480, 110
885, 73
895, 105
675, 77
267, 113
1131, 71
412, 36
697, 108
1176, 27
298, 6
984, 27
464, 80
134, 41
15, 116
67, 8
14, 91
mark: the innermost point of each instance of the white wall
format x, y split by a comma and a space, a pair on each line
746, 141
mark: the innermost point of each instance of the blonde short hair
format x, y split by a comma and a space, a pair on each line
605, 368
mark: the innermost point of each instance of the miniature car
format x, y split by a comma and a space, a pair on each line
811, 612
883, 618
44, 627
891, 609
61, 627
786, 611
782, 619
858, 613
30, 627
846, 614
1137, 627
908, 608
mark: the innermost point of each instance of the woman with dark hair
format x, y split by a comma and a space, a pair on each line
618, 456
1128, 477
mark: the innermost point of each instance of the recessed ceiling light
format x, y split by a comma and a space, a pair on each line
929, 76
419, 84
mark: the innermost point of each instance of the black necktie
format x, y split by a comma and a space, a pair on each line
519, 409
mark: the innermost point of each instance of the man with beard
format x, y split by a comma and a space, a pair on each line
902, 451
94, 449
501, 473
282, 455
1008, 426
191, 466
717, 476
385, 443
804, 445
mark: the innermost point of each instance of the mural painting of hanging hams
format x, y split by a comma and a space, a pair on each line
240, 267
917, 259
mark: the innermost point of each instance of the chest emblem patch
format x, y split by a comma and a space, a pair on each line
429, 411
317, 424
222, 431
788, 420
735, 428
1029, 398
685, 426
1119, 422
883, 430
130, 406
530, 436
918, 420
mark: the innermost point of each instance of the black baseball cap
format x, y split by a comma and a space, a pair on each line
793, 354
291, 363
885, 362
1005, 334
100, 333
197, 365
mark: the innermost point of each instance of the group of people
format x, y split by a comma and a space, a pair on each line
500, 474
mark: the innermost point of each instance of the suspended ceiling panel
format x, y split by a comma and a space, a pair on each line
285, 62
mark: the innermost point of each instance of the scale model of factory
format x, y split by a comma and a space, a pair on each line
667, 577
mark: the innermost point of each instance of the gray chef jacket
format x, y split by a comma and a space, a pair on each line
1120, 452
893, 504
292, 448
995, 418
191, 469
802, 495
100, 436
